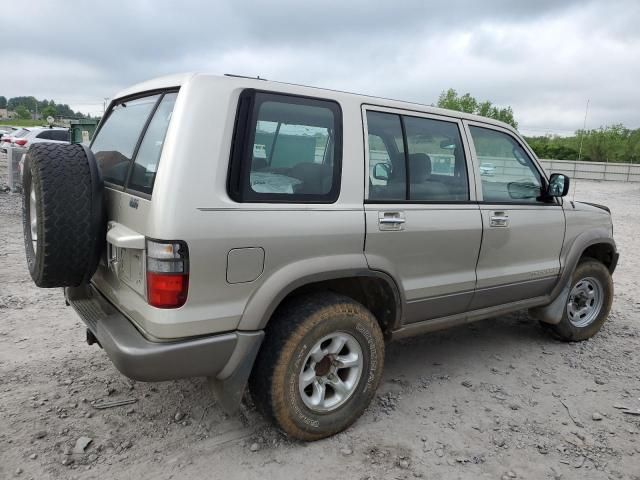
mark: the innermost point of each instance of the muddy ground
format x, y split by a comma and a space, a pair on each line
496, 399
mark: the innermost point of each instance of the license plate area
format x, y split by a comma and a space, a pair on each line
127, 266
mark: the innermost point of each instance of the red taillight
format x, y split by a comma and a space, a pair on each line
20, 141
167, 273
167, 290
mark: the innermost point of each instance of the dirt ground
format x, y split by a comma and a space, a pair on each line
495, 399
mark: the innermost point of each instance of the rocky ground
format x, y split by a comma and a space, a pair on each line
496, 399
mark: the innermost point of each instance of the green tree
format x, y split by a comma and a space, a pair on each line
48, 111
23, 112
466, 103
3, 101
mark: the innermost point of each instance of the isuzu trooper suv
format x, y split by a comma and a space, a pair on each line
277, 235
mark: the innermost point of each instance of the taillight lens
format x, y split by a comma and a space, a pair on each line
167, 273
20, 141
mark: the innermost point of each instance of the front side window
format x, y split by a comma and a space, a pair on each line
292, 151
116, 140
507, 172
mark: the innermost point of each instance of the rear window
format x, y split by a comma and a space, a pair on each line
115, 143
130, 140
148, 156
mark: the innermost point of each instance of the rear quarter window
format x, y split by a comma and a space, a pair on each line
286, 149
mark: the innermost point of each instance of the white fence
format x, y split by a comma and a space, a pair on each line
620, 172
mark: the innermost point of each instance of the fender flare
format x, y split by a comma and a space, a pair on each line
274, 289
552, 312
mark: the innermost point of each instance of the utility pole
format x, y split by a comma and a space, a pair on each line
584, 127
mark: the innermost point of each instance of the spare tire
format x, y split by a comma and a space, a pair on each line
62, 214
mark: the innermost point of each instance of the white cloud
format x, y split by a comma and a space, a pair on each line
543, 58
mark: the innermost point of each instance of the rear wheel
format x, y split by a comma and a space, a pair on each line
589, 302
319, 366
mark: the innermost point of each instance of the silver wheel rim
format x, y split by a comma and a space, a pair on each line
331, 372
585, 301
33, 219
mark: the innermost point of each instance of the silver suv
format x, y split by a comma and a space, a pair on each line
277, 235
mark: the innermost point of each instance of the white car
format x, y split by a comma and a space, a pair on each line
37, 135
7, 139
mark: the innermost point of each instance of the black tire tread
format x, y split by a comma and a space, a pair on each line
285, 332
66, 233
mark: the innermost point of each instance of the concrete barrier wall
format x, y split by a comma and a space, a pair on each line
619, 172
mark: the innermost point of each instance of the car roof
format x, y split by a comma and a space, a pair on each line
178, 80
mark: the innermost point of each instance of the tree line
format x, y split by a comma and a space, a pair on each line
613, 143
25, 107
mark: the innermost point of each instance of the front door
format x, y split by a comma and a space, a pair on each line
522, 233
422, 225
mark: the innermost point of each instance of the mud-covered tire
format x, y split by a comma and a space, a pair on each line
296, 327
62, 196
597, 276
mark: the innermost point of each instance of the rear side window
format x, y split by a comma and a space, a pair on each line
129, 142
45, 135
415, 159
60, 135
286, 149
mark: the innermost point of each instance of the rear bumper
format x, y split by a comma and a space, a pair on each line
217, 356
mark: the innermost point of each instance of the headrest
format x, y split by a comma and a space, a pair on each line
420, 167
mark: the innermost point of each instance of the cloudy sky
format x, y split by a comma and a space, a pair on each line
544, 58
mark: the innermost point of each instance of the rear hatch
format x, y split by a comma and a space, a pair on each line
128, 147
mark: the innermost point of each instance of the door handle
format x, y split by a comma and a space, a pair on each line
499, 219
391, 221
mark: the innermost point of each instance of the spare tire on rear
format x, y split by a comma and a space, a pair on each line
62, 214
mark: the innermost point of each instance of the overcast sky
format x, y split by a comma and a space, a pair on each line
545, 58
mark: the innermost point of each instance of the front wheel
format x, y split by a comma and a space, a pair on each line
319, 366
588, 303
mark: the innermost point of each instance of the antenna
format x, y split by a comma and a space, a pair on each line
584, 127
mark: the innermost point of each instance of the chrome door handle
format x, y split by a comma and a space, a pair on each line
499, 219
391, 221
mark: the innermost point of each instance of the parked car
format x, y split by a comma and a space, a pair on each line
38, 135
488, 169
244, 239
6, 140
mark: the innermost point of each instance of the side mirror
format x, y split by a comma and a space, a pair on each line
382, 171
558, 185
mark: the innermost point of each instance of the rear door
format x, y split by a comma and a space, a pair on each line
422, 223
522, 233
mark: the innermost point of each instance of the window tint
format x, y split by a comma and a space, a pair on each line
507, 172
116, 140
146, 162
60, 135
294, 152
387, 174
437, 169
44, 135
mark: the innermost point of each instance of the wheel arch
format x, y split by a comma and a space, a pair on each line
376, 290
596, 244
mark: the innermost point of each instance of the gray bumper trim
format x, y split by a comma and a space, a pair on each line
141, 359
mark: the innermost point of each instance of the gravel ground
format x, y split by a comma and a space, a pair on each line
495, 399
